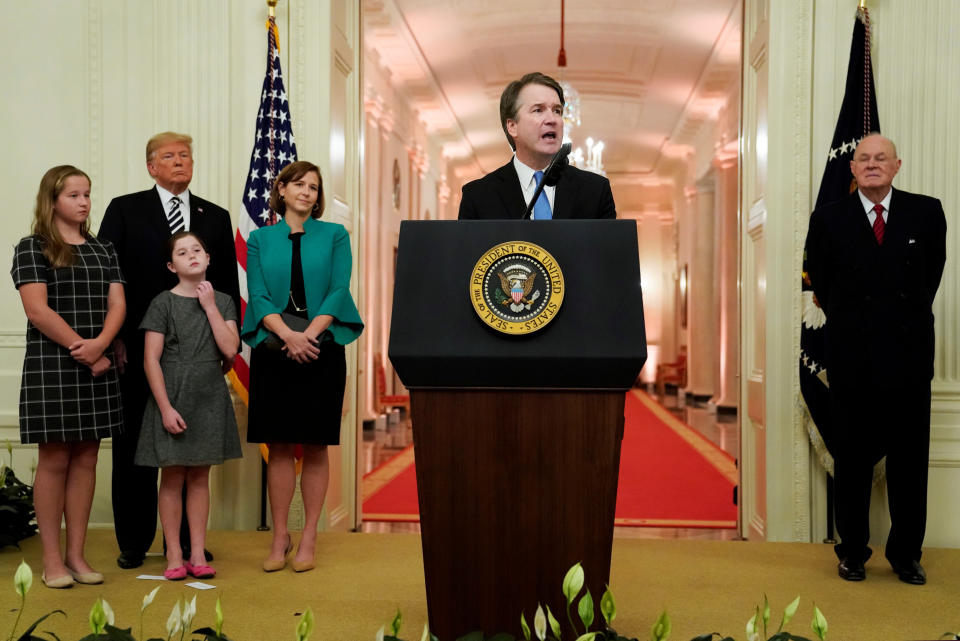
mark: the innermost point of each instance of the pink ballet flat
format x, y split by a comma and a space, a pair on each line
200, 571
175, 574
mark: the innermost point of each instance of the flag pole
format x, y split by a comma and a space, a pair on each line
271, 16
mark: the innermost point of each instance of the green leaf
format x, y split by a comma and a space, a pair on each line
27, 634
585, 610
218, 616
476, 635
381, 633
118, 634
98, 617
819, 623
305, 625
608, 606
589, 636
540, 623
426, 632
788, 612
766, 614
573, 583
524, 627
396, 623
661, 629
554, 624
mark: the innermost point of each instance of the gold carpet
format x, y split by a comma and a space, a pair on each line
361, 579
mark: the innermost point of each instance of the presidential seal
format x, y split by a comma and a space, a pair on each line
516, 287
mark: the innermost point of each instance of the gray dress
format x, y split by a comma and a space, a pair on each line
195, 386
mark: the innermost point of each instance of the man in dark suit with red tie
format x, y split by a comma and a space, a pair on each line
875, 260
531, 114
140, 225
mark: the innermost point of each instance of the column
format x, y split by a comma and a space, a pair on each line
727, 311
701, 321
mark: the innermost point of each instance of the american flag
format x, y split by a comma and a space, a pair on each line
858, 117
273, 149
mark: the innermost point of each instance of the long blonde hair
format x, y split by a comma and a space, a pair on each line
56, 250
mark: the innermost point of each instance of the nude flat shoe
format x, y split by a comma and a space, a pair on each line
86, 578
65, 581
273, 565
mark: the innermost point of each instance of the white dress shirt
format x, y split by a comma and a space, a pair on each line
868, 206
166, 197
529, 184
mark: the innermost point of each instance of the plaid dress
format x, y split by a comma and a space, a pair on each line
60, 400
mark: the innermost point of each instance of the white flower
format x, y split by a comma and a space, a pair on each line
813, 316
173, 621
540, 623
148, 598
23, 579
108, 611
189, 611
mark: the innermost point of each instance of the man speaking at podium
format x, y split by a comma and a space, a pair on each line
531, 114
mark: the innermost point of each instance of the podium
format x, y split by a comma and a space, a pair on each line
517, 437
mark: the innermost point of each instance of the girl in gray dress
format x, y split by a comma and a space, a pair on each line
188, 424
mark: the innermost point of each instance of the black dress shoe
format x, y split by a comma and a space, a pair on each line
130, 559
911, 572
851, 570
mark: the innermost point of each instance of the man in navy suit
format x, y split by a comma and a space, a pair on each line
140, 225
531, 111
875, 260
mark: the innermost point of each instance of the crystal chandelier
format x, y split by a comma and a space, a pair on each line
593, 159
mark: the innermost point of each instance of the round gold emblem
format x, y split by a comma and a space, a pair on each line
516, 287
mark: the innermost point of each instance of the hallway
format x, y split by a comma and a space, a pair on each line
382, 445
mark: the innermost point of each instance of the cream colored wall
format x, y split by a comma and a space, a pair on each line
87, 82
917, 93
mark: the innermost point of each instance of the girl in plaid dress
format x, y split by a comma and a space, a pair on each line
72, 293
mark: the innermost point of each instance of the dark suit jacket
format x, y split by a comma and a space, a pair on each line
137, 226
498, 195
877, 298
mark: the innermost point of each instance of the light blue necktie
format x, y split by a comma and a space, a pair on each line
541, 210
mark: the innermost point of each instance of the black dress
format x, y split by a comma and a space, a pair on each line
292, 402
60, 400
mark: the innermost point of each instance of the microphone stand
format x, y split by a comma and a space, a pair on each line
551, 174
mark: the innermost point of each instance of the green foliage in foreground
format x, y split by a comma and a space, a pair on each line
103, 628
546, 627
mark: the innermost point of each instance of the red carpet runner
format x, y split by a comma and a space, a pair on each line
670, 476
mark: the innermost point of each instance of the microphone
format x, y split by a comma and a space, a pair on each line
551, 175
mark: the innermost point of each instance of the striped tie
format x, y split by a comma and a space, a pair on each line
878, 225
175, 218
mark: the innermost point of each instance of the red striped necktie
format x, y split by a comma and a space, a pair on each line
878, 225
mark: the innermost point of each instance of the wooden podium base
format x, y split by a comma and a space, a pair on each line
515, 486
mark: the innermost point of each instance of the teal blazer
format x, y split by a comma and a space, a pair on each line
327, 261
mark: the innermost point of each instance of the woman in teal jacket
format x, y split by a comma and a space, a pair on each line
299, 316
